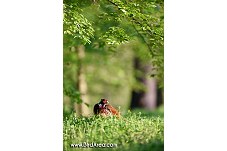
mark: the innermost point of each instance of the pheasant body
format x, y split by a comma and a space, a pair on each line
105, 109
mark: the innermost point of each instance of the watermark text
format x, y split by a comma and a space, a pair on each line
93, 145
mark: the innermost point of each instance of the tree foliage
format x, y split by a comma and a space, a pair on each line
124, 20
77, 29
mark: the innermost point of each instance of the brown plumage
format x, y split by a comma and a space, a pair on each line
105, 109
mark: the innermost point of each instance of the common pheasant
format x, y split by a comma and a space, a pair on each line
105, 109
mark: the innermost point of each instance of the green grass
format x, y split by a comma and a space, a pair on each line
135, 131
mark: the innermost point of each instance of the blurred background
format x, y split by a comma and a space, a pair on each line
113, 50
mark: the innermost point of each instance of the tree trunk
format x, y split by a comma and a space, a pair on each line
147, 97
82, 108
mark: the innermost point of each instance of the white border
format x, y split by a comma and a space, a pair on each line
195, 75
31, 75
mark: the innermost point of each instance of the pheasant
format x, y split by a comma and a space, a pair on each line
105, 109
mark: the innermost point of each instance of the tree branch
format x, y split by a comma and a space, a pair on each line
141, 36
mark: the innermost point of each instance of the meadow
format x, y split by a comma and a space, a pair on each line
136, 130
